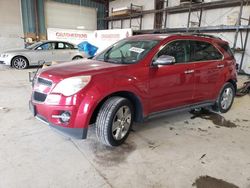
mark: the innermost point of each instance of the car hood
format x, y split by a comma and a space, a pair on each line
79, 68
16, 51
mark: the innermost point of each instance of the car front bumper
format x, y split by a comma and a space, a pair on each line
48, 114
5, 60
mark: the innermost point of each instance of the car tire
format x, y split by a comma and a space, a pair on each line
225, 99
114, 121
20, 62
77, 57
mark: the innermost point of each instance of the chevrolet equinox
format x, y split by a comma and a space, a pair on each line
134, 79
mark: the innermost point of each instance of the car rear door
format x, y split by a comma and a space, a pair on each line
208, 63
62, 53
172, 86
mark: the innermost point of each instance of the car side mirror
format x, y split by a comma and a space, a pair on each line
164, 60
39, 48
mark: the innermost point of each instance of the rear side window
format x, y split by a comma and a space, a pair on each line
227, 49
203, 51
60, 45
68, 46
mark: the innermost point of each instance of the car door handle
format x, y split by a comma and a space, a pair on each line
189, 71
220, 66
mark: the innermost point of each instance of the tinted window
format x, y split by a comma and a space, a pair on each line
227, 49
178, 49
203, 51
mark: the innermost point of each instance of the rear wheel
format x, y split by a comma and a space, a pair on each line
20, 62
114, 121
225, 99
77, 57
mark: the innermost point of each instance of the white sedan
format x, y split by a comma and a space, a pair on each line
46, 51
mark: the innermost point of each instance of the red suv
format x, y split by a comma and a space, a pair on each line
134, 79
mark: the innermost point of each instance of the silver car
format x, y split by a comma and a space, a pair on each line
46, 51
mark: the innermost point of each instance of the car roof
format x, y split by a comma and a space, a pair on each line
149, 37
44, 41
194, 36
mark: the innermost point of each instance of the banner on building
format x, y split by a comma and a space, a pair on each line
99, 38
105, 38
68, 35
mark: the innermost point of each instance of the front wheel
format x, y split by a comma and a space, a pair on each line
114, 121
225, 99
20, 62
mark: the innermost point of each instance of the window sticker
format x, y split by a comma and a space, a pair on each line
137, 50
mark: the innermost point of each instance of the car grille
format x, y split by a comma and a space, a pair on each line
44, 82
40, 97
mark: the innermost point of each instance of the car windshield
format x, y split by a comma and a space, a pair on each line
32, 46
127, 51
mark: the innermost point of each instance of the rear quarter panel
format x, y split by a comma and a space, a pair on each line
227, 73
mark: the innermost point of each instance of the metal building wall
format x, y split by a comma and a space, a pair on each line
213, 17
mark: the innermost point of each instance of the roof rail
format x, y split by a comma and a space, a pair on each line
205, 35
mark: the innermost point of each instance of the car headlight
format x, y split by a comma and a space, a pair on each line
5, 55
72, 85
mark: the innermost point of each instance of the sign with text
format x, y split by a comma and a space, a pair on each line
99, 38
68, 35
105, 38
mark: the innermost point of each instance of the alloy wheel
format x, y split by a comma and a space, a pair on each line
19, 63
227, 98
121, 123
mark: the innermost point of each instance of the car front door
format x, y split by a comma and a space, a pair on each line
44, 52
172, 86
208, 63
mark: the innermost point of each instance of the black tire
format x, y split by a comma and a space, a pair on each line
77, 57
20, 62
107, 119
219, 105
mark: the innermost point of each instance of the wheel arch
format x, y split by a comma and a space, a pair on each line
11, 64
234, 82
136, 102
76, 56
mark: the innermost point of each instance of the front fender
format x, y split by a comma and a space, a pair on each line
21, 54
95, 94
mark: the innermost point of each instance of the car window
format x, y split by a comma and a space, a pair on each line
118, 53
60, 45
204, 51
47, 46
68, 46
227, 49
178, 49
34, 46
127, 51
